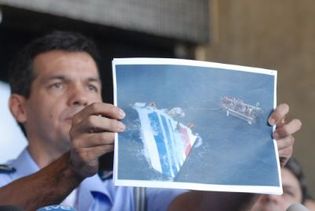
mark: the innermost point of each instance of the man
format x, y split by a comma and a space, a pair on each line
56, 96
294, 190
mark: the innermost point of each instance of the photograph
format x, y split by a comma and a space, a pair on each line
195, 125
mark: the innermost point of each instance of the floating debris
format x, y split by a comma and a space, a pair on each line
238, 108
167, 142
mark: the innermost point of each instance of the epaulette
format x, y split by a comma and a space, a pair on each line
6, 169
104, 175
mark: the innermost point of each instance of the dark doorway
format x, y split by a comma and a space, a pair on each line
19, 26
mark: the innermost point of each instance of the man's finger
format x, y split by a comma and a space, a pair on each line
99, 109
90, 140
286, 142
288, 129
278, 114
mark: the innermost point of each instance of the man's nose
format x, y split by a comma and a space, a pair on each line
78, 96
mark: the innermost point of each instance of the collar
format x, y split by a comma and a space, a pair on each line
24, 165
93, 187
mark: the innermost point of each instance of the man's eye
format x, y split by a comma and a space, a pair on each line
288, 192
93, 88
56, 85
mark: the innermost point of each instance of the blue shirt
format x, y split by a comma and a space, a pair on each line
94, 193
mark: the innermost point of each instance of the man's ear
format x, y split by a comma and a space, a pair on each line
17, 107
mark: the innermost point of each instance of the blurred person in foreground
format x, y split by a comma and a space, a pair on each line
294, 190
56, 96
310, 204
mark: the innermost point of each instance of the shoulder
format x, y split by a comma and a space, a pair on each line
105, 175
6, 174
6, 169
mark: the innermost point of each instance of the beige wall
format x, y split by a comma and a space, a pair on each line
278, 35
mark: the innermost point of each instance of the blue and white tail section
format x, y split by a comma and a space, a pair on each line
167, 142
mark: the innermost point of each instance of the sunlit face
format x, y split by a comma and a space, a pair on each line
65, 82
292, 193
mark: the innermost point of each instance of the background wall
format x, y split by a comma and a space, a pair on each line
277, 35
120, 28
14, 141
265, 33
181, 19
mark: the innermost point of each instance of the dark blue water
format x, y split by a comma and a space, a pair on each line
232, 151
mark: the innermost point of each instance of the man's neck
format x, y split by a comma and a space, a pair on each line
43, 155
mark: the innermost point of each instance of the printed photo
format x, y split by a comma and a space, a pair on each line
195, 125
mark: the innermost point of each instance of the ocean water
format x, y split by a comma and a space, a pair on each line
232, 151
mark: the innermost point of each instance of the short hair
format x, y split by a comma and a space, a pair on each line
21, 73
296, 169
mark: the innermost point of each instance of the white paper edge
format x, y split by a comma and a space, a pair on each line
194, 186
200, 186
187, 62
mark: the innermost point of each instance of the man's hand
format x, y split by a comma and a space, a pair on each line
92, 135
284, 131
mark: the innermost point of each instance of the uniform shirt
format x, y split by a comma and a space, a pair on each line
94, 193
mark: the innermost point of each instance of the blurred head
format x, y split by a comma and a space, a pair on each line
53, 78
294, 190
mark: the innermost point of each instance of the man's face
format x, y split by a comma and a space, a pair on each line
291, 194
65, 82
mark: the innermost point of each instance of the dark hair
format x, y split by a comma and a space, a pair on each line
21, 74
295, 167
